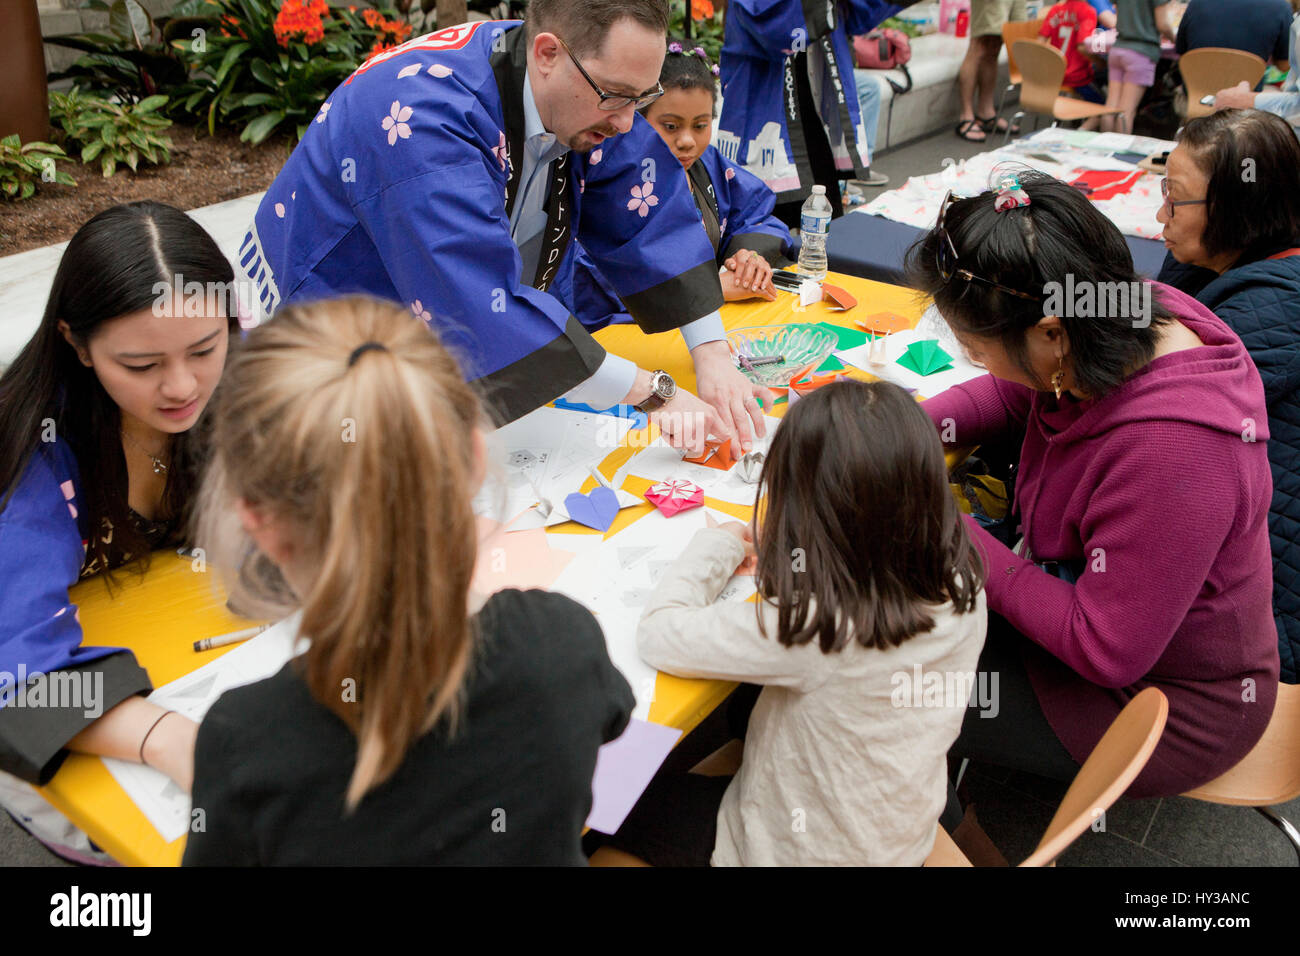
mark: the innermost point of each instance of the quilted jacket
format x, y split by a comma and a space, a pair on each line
1261, 302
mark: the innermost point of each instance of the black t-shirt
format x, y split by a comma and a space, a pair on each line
1262, 27
511, 786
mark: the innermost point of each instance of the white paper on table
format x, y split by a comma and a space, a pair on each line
927, 386
615, 579
1111, 142
548, 451
165, 805
661, 462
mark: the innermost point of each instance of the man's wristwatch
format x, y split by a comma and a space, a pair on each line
662, 389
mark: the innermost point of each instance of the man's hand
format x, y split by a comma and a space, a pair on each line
1239, 97
685, 422
733, 396
748, 276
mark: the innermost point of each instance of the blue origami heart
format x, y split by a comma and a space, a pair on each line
596, 510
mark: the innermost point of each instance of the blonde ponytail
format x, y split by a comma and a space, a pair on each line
368, 455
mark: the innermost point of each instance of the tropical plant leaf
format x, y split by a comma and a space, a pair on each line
260, 128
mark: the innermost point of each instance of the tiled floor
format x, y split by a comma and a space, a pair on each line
1014, 809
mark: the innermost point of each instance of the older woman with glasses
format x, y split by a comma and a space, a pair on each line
1232, 222
1143, 555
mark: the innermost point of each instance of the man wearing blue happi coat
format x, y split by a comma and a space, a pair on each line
452, 174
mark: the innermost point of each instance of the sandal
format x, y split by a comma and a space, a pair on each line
966, 127
996, 124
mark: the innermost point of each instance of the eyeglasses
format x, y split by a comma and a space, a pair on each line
946, 258
613, 101
1171, 204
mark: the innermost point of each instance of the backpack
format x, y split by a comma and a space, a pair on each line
886, 49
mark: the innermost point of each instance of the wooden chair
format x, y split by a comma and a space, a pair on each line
1113, 764
1208, 69
1270, 773
1011, 32
1042, 70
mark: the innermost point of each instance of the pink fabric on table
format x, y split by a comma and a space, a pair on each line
1157, 493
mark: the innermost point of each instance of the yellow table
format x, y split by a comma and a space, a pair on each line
160, 615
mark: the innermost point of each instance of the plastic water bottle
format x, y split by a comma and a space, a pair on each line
814, 224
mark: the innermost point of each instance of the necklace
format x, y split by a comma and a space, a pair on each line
159, 466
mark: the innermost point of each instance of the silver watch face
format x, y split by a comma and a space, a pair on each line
665, 387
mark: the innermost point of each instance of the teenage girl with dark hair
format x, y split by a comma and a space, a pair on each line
100, 441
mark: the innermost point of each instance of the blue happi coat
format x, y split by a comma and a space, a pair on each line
762, 126
402, 188
739, 203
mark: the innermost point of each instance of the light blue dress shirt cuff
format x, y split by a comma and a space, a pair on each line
707, 329
608, 386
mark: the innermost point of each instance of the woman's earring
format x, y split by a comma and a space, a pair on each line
1058, 377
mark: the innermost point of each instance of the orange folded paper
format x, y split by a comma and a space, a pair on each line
838, 297
883, 323
717, 454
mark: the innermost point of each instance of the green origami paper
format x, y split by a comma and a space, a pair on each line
925, 358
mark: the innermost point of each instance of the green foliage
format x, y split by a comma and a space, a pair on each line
112, 133
23, 165
131, 62
904, 26
249, 76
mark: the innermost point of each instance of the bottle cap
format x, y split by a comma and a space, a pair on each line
819, 190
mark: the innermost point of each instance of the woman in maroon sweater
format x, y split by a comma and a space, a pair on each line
1142, 493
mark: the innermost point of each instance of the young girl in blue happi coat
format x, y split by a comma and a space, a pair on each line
736, 207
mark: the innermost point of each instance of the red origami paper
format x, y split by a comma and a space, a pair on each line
674, 495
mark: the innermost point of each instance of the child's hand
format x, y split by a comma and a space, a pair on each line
745, 535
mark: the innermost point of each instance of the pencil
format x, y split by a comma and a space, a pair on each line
221, 640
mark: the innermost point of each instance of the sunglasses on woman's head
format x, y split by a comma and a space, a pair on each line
946, 258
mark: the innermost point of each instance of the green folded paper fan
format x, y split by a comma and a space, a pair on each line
925, 358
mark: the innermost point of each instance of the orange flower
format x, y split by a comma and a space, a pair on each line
300, 20
701, 9
372, 17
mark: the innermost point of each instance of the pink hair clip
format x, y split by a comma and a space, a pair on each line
1011, 194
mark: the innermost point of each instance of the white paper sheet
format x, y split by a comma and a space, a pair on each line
165, 805
927, 386
547, 452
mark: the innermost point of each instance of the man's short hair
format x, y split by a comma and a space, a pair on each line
584, 24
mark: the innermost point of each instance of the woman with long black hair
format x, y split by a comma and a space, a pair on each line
101, 436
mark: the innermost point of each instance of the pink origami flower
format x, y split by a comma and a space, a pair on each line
642, 199
675, 495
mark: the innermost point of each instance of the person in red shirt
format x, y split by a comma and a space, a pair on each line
1065, 26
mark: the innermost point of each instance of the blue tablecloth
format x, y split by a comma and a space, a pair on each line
872, 247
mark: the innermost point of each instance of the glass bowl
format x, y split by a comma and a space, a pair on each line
802, 347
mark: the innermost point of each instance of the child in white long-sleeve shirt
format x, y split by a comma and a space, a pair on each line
869, 622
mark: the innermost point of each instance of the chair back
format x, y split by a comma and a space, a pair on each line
1042, 69
1208, 69
1270, 773
1113, 764
1013, 31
